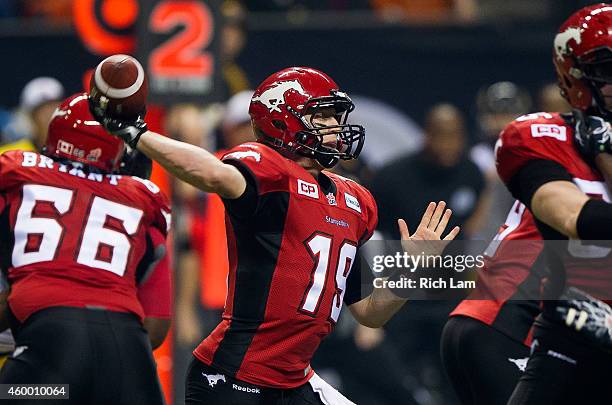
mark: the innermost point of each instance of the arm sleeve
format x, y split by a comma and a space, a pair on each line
264, 172
245, 205
534, 174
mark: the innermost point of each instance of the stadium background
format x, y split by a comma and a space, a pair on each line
409, 59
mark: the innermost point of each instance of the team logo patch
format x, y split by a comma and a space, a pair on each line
274, 97
520, 363
554, 131
243, 155
308, 189
213, 379
19, 350
563, 38
331, 199
352, 202
65, 147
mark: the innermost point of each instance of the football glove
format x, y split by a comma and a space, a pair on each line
587, 315
129, 131
593, 136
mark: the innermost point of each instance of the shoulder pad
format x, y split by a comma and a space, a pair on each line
541, 136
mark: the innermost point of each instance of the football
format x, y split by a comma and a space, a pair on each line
118, 87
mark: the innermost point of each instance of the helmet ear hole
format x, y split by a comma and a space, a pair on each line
279, 124
301, 137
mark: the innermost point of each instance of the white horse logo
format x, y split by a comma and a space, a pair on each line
275, 95
562, 41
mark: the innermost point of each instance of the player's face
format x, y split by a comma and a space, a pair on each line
325, 117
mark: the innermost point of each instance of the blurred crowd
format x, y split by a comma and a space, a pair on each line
409, 11
450, 158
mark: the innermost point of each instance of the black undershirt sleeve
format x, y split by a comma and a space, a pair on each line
245, 205
532, 176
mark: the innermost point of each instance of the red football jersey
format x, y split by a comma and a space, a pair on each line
548, 136
73, 238
509, 282
290, 255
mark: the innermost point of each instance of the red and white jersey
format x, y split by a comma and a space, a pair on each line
548, 136
509, 283
290, 258
73, 238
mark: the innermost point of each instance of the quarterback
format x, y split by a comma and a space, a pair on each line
294, 231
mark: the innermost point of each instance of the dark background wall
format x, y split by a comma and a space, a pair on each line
409, 67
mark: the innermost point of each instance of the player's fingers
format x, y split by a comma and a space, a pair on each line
452, 234
426, 218
443, 222
435, 219
403, 228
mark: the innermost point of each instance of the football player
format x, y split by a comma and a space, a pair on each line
78, 237
294, 230
548, 163
492, 327
154, 293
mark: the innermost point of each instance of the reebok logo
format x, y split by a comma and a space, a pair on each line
246, 389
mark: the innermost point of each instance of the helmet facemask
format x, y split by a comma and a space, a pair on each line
596, 69
309, 142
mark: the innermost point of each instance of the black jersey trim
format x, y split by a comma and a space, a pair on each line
534, 175
248, 203
258, 241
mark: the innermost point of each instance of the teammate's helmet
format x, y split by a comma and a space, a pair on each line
583, 57
75, 134
280, 104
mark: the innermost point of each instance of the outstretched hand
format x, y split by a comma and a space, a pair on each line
129, 131
432, 226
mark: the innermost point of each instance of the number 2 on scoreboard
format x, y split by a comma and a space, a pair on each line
183, 54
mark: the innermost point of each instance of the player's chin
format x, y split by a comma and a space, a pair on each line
310, 165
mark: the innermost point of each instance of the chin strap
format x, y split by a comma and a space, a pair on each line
325, 159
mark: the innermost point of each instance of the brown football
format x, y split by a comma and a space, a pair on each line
118, 87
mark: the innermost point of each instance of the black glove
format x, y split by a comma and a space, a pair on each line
129, 131
593, 136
